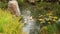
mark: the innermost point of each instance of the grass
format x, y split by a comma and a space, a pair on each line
8, 24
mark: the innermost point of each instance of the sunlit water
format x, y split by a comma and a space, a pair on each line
30, 24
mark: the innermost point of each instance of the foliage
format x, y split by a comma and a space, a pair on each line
48, 18
49, 29
9, 24
3, 4
48, 21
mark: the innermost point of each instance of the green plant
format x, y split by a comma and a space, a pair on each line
9, 24
3, 5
